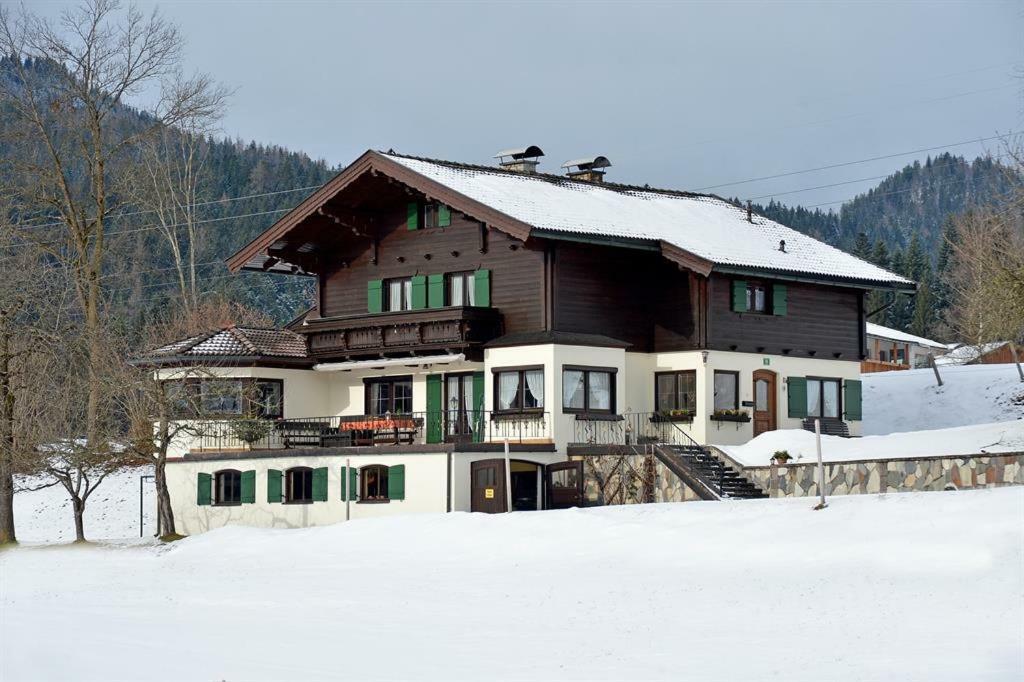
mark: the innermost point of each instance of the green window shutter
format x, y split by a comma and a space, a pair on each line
344, 485
779, 305
419, 292
478, 407
797, 396
852, 399
204, 488
435, 291
739, 296
353, 484
435, 415
320, 484
412, 216
444, 216
396, 482
249, 486
375, 296
482, 285
274, 486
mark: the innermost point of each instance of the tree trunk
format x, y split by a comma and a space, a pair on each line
165, 515
79, 508
6, 446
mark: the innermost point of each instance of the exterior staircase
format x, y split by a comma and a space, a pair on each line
706, 474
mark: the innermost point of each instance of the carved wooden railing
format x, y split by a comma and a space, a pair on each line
431, 329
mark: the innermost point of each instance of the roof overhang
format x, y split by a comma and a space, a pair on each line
372, 162
784, 275
215, 361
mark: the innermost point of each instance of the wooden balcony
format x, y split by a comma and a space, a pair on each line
454, 329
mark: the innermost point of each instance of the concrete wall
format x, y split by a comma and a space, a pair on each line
890, 476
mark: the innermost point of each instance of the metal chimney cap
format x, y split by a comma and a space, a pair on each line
530, 152
589, 163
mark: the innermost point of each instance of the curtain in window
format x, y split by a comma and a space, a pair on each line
534, 396
725, 391
831, 399
687, 398
600, 397
572, 389
455, 289
508, 388
813, 398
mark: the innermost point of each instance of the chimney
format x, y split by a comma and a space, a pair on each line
521, 160
589, 169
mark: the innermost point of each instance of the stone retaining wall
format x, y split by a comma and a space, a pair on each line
891, 476
630, 479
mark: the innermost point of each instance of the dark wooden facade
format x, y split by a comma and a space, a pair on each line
644, 296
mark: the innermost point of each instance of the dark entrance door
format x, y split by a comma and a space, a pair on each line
488, 486
564, 484
764, 401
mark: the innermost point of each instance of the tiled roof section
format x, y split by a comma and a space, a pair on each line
238, 342
704, 225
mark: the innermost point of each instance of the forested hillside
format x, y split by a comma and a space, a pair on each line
245, 186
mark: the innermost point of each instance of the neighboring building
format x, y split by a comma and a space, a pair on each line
993, 353
458, 306
890, 349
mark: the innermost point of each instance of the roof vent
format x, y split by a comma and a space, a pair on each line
590, 169
521, 159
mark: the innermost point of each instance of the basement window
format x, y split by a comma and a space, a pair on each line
299, 485
373, 483
227, 487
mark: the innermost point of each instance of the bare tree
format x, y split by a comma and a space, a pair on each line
27, 323
71, 79
172, 186
158, 410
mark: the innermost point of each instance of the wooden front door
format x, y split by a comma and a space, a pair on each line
564, 484
764, 401
487, 486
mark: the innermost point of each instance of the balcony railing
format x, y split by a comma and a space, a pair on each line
433, 329
635, 428
416, 428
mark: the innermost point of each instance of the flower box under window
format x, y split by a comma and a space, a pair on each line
730, 416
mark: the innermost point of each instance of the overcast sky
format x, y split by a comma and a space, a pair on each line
680, 95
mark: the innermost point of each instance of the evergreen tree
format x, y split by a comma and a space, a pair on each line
880, 254
862, 246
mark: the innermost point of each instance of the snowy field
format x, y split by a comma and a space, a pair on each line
961, 440
112, 512
910, 400
917, 586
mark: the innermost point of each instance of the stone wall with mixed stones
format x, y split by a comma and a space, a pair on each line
630, 479
891, 476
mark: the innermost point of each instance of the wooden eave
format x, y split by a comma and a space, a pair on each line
372, 161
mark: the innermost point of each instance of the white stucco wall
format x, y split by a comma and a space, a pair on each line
426, 489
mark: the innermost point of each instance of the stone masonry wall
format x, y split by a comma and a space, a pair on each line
630, 479
891, 476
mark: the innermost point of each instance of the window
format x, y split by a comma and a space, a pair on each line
726, 390
227, 487
389, 395
901, 355
675, 391
587, 389
516, 390
883, 355
267, 398
757, 297
220, 396
181, 395
823, 398
398, 294
373, 483
564, 478
461, 289
299, 485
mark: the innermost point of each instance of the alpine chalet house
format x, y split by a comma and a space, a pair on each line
462, 307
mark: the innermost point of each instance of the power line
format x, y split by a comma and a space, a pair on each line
858, 161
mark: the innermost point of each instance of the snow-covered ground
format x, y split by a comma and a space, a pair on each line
961, 440
910, 400
920, 586
112, 512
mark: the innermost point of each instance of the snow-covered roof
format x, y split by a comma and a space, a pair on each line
707, 226
966, 354
896, 335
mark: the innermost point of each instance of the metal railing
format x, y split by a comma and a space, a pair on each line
634, 428
413, 428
